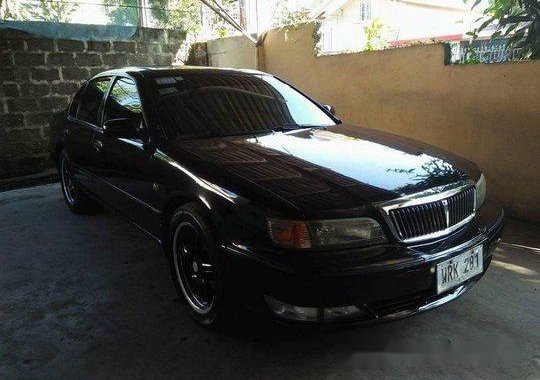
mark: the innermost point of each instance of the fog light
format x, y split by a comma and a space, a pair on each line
286, 311
342, 312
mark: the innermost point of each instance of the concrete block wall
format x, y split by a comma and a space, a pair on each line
39, 76
237, 52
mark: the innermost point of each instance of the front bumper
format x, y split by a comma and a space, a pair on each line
385, 282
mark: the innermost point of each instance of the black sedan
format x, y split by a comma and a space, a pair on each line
260, 196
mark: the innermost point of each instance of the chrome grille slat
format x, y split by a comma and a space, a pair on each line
439, 217
419, 220
403, 231
461, 206
454, 210
414, 224
458, 209
432, 217
396, 223
423, 209
422, 225
408, 226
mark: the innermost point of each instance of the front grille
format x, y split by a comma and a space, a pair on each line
423, 220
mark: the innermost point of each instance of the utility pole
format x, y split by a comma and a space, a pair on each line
142, 15
242, 13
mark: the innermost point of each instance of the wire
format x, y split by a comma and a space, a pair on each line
97, 4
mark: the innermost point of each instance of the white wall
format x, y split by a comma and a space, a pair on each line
343, 30
408, 21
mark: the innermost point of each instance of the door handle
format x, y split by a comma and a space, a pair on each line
98, 145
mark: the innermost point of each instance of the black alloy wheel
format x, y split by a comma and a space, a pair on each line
195, 268
77, 201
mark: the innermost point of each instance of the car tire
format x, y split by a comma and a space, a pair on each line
77, 201
196, 268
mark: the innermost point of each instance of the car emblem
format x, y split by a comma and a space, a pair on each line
446, 212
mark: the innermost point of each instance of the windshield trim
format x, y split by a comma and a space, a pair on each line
334, 118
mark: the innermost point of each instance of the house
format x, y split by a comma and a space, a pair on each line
343, 22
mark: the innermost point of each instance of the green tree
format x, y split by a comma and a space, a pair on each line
517, 19
287, 13
374, 39
185, 14
121, 12
48, 11
176, 13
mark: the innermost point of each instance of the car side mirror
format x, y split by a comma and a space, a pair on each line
125, 127
330, 109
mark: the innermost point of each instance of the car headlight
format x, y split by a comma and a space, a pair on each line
325, 233
480, 191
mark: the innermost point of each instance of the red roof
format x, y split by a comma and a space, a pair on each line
427, 40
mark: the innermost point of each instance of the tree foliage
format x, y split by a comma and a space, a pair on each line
47, 11
516, 19
287, 13
185, 14
121, 12
374, 39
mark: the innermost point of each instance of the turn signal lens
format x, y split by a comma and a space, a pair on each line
289, 233
296, 234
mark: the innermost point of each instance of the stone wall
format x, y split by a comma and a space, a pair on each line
39, 76
197, 54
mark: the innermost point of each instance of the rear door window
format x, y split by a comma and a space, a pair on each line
91, 100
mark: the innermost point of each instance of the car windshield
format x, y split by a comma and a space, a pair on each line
211, 105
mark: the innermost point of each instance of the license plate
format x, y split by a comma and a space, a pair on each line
452, 272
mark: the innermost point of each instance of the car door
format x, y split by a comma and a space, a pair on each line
83, 121
124, 163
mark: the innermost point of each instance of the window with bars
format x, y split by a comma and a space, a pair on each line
365, 11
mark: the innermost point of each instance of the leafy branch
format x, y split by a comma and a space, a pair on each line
516, 19
48, 11
374, 39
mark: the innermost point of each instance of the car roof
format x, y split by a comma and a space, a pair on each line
159, 71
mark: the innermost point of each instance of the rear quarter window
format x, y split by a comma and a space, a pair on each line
91, 100
76, 101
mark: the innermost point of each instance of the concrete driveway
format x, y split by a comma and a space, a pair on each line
90, 297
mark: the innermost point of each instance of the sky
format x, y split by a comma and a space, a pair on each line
92, 11
89, 12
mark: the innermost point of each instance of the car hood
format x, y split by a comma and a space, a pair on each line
339, 168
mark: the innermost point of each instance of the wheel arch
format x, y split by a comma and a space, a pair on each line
57, 151
173, 203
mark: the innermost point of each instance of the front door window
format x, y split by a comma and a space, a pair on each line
123, 101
